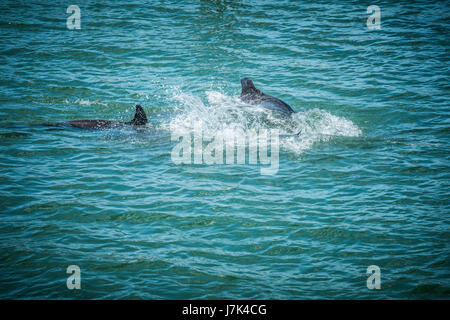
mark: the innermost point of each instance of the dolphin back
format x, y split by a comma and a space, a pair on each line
250, 94
277, 105
140, 119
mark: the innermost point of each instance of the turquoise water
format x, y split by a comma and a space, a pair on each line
366, 182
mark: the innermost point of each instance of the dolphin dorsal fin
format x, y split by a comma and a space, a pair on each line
140, 118
248, 87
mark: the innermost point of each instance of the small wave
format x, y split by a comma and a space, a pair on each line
85, 102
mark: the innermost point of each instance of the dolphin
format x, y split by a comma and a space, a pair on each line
140, 119
250, 94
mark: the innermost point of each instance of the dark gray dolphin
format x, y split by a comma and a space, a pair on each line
250, 94
140, 119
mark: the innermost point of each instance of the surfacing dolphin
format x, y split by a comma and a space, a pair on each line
140, 119
250, 94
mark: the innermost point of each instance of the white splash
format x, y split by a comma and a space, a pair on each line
221, 113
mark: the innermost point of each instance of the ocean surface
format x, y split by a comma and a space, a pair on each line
364, 182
